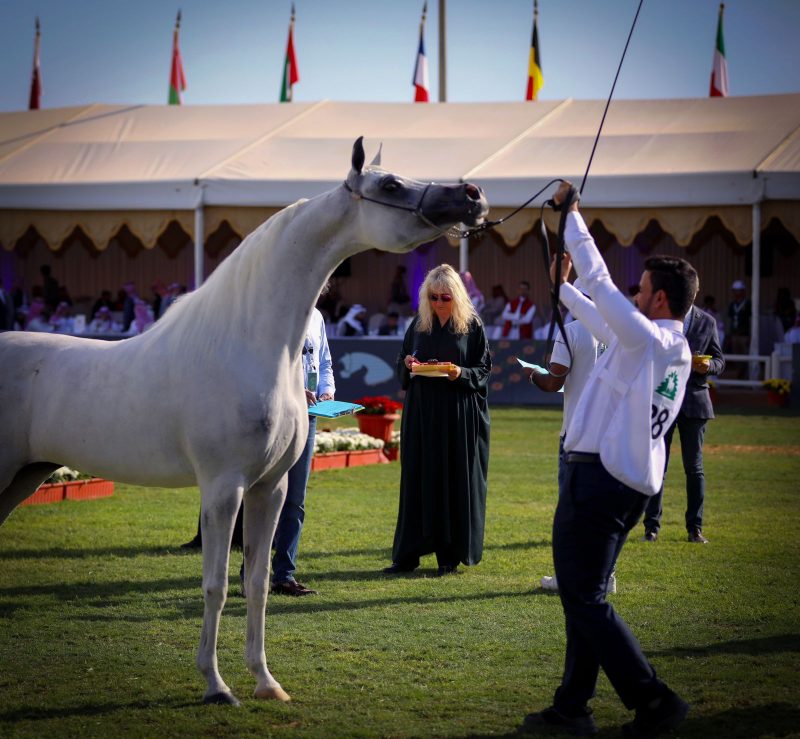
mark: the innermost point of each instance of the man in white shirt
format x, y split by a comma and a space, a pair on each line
570, 368
614, 454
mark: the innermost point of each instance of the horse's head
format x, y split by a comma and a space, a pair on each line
400, 213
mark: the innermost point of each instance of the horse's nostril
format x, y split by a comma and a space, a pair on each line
473, 193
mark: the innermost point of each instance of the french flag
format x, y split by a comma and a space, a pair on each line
420, 80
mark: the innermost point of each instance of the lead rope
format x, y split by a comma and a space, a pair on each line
573, 196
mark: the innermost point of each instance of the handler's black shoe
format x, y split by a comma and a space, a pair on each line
651, 722
447, 570
396, 569
551, 721
196, 543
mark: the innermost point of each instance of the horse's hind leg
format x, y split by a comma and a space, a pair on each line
262, 507
23, 484
220, 504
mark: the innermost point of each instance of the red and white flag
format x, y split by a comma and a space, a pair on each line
177, 78
420, 80
719, 70
35, 100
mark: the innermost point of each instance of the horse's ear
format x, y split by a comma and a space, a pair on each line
376, 161
358, 154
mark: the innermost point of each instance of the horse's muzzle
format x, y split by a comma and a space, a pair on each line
451, 204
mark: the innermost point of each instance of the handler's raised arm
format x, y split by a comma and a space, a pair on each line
625, 321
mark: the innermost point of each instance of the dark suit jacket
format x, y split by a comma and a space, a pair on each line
703, 339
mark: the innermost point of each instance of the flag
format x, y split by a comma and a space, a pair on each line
177, 79
535, 78
719, 70
290, 73
35, 100
420, 80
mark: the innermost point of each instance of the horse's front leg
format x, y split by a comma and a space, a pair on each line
262, 508
221, 499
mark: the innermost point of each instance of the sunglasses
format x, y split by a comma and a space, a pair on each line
444, 297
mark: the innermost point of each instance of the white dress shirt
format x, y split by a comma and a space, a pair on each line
318, 359
636, 388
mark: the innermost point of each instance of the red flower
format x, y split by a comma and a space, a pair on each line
379, 406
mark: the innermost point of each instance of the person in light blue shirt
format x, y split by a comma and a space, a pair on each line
319, 384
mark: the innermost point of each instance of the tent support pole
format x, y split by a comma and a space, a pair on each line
199, 240
756, 291
463, 254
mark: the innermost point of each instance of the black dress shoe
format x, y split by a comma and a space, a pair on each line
650, 535
292, 588
696, 537
447, 570
196, 543
395, 569
651, 722
550, 721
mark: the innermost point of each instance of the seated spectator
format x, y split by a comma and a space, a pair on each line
103, 322
785, 309
142, 317
710, 307
793, 334
493, 310
38, 317
170, 295
475, 295
399, 299
391, 325
64, 296
104, 300
518, 315
353, 323
61, 319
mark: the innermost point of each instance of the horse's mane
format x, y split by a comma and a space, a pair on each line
220, 310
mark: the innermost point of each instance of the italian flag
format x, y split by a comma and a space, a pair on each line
535, 78
35, 100
719, 71
177, 79
290, 73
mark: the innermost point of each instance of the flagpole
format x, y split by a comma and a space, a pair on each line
34, 100
291, 36
442, 52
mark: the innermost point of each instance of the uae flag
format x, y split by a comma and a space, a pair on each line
719, 71
35, 100
177, 79
290, 73
535, 78
420, 80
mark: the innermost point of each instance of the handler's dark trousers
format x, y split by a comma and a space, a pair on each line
692, 432
595, 512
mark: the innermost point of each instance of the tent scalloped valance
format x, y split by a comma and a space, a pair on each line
147, 225
625, 223
54, 226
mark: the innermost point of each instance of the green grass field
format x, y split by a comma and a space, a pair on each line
100, 610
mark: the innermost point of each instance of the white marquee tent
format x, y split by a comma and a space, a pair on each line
676, 161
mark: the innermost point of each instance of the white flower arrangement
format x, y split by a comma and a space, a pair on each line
63, 474
348, 440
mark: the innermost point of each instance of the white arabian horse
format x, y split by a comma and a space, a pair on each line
211, 394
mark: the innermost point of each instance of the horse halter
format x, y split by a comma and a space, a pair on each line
416, 210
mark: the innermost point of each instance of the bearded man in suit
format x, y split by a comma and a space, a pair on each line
700, 330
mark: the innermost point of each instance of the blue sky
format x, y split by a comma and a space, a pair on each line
118, 51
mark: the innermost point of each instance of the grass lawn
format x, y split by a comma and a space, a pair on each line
100, 610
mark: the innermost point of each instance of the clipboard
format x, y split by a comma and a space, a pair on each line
333, 408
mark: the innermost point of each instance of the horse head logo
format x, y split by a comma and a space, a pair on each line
377, 371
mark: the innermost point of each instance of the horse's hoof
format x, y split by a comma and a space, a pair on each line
277, 693
221, 699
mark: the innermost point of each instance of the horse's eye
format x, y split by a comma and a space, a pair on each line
390, 185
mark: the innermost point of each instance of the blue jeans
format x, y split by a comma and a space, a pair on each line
290, 524
692, 432
595, 512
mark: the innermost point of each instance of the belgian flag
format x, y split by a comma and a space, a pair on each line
535, 78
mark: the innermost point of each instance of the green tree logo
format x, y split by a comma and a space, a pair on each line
669, 386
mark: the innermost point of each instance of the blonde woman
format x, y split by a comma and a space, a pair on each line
445, 431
